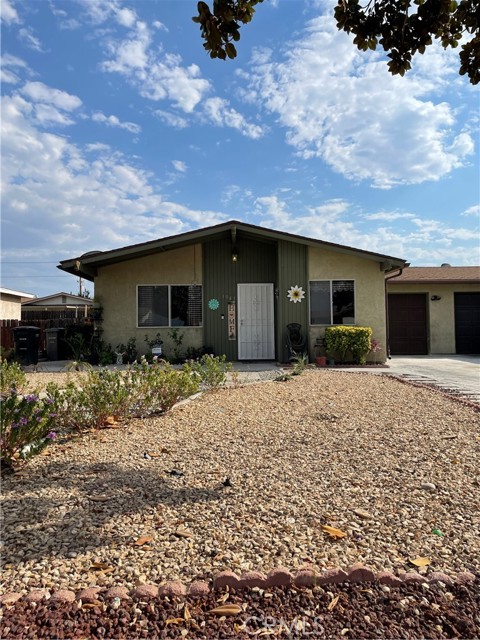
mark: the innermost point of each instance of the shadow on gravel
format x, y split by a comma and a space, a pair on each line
34, 525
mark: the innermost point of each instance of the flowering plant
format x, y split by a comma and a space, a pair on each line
375, 347
25, 426
11, 376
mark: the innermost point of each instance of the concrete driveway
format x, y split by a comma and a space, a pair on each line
460, 375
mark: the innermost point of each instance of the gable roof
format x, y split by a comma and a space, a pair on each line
44, 301
17, 294
86, 264
445, 274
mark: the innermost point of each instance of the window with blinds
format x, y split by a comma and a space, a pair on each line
332, 302
169, 306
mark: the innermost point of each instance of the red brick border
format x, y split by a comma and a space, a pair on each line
279, 576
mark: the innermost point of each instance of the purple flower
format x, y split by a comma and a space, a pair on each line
31, 398
48, 401
52, 435
23, 421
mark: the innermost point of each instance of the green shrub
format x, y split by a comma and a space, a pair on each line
176, 336
299, 361
156, 387
70, 405
210, 370
102, 394
342, 340
11, 377
25, 426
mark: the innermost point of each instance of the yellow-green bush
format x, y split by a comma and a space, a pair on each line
342, 340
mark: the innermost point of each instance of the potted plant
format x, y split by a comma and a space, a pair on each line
320, 359
155, 345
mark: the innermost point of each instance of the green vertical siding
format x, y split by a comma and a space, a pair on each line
257, 262
292, 270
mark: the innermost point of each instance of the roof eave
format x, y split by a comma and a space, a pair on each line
86, 266
436, 282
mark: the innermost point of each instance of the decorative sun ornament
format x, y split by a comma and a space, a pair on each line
296, 294
213, 304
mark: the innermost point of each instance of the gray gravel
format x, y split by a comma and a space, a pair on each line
327, 448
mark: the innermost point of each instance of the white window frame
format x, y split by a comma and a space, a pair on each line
330, 280
169, 325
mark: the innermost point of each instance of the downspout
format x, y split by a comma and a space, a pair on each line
387, 327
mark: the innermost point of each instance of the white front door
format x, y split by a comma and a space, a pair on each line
256, 326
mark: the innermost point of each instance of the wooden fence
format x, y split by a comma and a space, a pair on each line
55, 321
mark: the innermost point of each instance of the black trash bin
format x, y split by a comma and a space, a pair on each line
55, 344
27, 340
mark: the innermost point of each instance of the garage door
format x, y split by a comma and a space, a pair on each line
467, 322
407, 324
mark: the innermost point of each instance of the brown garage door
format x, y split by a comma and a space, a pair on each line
407, 324
467, 322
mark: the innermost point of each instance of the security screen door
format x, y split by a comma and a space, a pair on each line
256, 327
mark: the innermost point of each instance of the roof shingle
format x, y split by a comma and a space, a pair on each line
445, 274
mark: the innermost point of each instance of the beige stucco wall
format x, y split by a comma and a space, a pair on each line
440, 313
369, 291
10, 307
116, 291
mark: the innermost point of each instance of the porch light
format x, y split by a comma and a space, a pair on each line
234, 256
435, 298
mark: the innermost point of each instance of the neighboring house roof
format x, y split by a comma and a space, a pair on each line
86, 264
18, 294
437, 275
49, 300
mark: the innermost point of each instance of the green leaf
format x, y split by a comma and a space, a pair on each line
231, 51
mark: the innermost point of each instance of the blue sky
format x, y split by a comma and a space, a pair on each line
117, 128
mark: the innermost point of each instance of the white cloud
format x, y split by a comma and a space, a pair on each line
169, 80
159, 25
156, 78
8, 13
113, 121
343, 106
163, 77
221, 114
179, 165
30, 40
50, 184
70, 24
10, 66
39, 92
129, 54
45, 114
173, 120
126, 17
332, 222
388, 216
472, 211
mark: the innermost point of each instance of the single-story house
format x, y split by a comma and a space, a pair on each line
57, 302
234, 287
434, 310
11, 303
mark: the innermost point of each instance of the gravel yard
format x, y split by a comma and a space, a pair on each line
350, 450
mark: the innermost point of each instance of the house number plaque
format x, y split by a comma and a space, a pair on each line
232, 329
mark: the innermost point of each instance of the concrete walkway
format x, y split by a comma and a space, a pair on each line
458, 375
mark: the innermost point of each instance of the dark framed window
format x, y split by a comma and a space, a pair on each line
169, 305
332, 302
